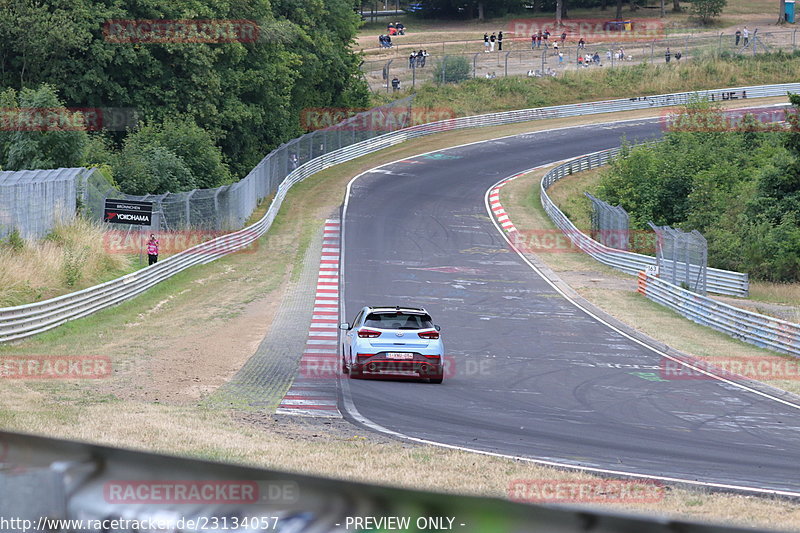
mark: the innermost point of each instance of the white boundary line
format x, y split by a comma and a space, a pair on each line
351, 410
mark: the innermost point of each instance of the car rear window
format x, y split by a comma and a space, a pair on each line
398, 321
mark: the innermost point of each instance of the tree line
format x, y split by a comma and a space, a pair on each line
208, 110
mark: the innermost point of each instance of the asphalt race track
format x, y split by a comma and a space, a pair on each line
533, 375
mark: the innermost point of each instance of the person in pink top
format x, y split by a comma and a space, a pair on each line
152, 250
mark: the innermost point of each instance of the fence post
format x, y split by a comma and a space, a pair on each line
507, 54
475, 65
794, 41
188, 210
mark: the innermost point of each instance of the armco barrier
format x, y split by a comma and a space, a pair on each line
761, 330
28, 320
718, 281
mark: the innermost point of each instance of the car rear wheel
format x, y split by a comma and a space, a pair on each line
355, 372
437, 378
345, 370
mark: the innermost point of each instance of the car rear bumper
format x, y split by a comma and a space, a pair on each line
425, 366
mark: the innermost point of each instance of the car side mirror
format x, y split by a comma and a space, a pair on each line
438, 328
344, 325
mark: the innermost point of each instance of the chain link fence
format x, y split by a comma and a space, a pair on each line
32, 202
228, 207
522, 58
682, 257
610, 224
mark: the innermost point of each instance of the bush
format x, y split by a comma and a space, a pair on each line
150, 168
194, 146
15, 240
452, 69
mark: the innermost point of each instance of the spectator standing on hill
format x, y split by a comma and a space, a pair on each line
492, 40
152, 250
419, 59
485, 42
412, 59
395, 84
533, 41
563, 38
424, 57
546, 37
581, 44
500, 41
667, 55
745, 36
738, 36
555, 46
539, 39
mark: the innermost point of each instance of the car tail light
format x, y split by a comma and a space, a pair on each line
365, 354
368, 333
428, 335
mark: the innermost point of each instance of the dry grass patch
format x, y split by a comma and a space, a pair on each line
337, 451
73, 256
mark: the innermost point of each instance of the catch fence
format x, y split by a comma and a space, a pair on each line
682, 257
32, 202
610, 224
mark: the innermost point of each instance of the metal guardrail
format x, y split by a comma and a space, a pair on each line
46, 482
719, 281
27, 320
754, 328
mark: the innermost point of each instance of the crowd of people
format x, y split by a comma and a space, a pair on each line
489, 41
393, 28
417, 59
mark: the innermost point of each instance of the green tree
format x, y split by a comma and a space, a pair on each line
193, 145
42, 132
707, 10
147, 167
246, 94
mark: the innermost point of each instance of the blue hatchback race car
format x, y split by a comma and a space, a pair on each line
398, 341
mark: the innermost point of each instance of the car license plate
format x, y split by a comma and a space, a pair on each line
399, 355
